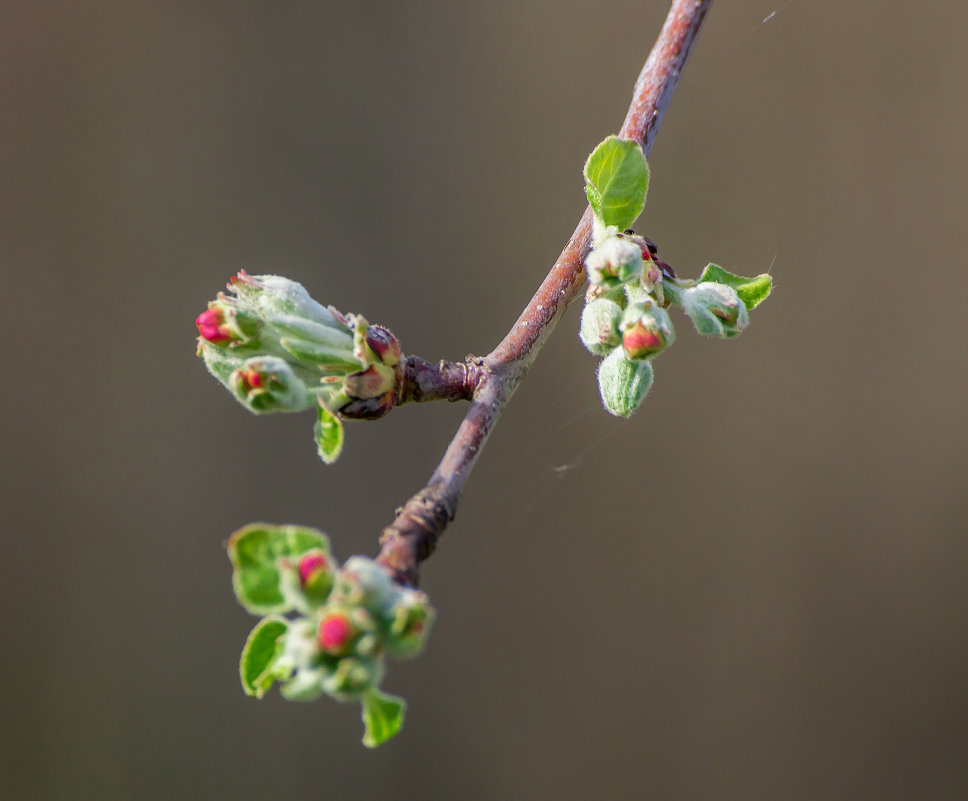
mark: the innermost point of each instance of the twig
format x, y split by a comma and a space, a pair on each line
413, 534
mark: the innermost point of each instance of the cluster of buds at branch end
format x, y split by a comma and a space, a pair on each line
278, 350
346, 621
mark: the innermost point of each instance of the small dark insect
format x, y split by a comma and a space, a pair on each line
666, 269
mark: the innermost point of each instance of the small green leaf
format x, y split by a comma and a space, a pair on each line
382, 716
254, 551
617, 179
752, 291
329, 435
261, 650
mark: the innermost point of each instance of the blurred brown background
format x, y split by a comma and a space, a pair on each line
754, 589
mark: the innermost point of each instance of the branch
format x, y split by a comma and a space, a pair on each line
413, 534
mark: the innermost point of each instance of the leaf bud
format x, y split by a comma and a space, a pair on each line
352, 677
410, 620
369, 408
599, 327
715, 309
623, 384
362, 582
646, 330
374, 381
384, 345
616, 260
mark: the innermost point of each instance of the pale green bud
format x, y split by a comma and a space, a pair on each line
615, 261
410, 620
623, 384
599, 327
715, 309
362, 582
352, 676
268, 384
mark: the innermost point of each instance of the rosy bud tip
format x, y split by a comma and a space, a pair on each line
210, 327
309, 564
334, 631
639, 341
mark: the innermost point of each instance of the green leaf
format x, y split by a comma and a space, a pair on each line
752, 291
255, 550
329, 435
617, 179
382, 716
261, 650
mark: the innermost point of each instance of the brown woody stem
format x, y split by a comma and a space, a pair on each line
413, 534
422, 381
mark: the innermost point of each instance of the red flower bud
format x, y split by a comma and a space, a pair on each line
310, 564
335, 631
250, 379
211, 326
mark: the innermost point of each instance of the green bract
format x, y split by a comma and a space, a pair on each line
259, 655
752, 291
382, 716
346, 621
617, 180
328, 432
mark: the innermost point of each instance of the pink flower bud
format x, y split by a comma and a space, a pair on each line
211, 326
309, 565
335, 631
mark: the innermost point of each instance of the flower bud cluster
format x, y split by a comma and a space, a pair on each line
624, 318
278, 350
353, 617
